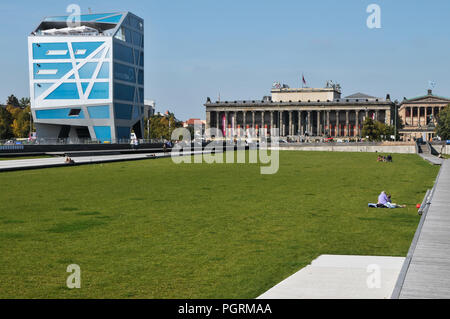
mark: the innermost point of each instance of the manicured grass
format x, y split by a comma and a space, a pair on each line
154, 229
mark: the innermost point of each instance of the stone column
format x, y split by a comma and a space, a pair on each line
300, 129
337, 131
226, 124
217, 120
309, 126
418, 116
234, 124
271, 122
262, 124
357, 123
244, 120
411, 114
318, 123
253, 119
328, 122
347, 128
387, 117
426, 115
280, 119
290, 122
376, 115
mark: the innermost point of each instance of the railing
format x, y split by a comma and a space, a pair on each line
425, 203
64, 141
11, 147
418, 149
90, 34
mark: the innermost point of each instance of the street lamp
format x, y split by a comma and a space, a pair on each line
395, 123
148, 128
31, 124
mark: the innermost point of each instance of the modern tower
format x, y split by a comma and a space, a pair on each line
87, 77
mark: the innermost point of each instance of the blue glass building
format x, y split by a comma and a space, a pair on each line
87, 76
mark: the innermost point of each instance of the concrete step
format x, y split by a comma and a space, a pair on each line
337, 277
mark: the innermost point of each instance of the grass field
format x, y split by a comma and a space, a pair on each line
153, 229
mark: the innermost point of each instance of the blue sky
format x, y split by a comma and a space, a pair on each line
200, 48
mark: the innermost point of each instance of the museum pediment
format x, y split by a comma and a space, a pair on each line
427, 100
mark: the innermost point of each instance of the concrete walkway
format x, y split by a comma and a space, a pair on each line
341, 277
426, 273
14, 165
432, 159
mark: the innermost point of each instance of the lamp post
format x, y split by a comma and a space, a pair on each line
395, 123
169, 127
148, 128
31, 124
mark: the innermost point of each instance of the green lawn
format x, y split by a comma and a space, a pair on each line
153, 229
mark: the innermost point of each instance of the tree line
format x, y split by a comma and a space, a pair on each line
162, 126
15, 118
15, 122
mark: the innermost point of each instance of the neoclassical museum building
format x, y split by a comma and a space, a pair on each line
419, 115
299, 111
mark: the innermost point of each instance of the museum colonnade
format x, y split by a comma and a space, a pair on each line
342, 123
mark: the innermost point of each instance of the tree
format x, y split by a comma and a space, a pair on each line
21, 123
159, 125
370, 129
24, 102
15, 118
443, 123
13, 101
376, 131
5, 124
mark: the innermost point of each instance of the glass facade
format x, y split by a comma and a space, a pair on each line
89, 80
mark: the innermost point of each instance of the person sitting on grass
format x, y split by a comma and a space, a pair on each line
384, 201
68, 160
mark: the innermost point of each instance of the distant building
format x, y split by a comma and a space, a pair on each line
193, 122
87, 80
419, 116
149, 108
300, 111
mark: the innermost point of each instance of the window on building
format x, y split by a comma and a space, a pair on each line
120, 35
124, 73
123, 53
124, 92
74, 112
